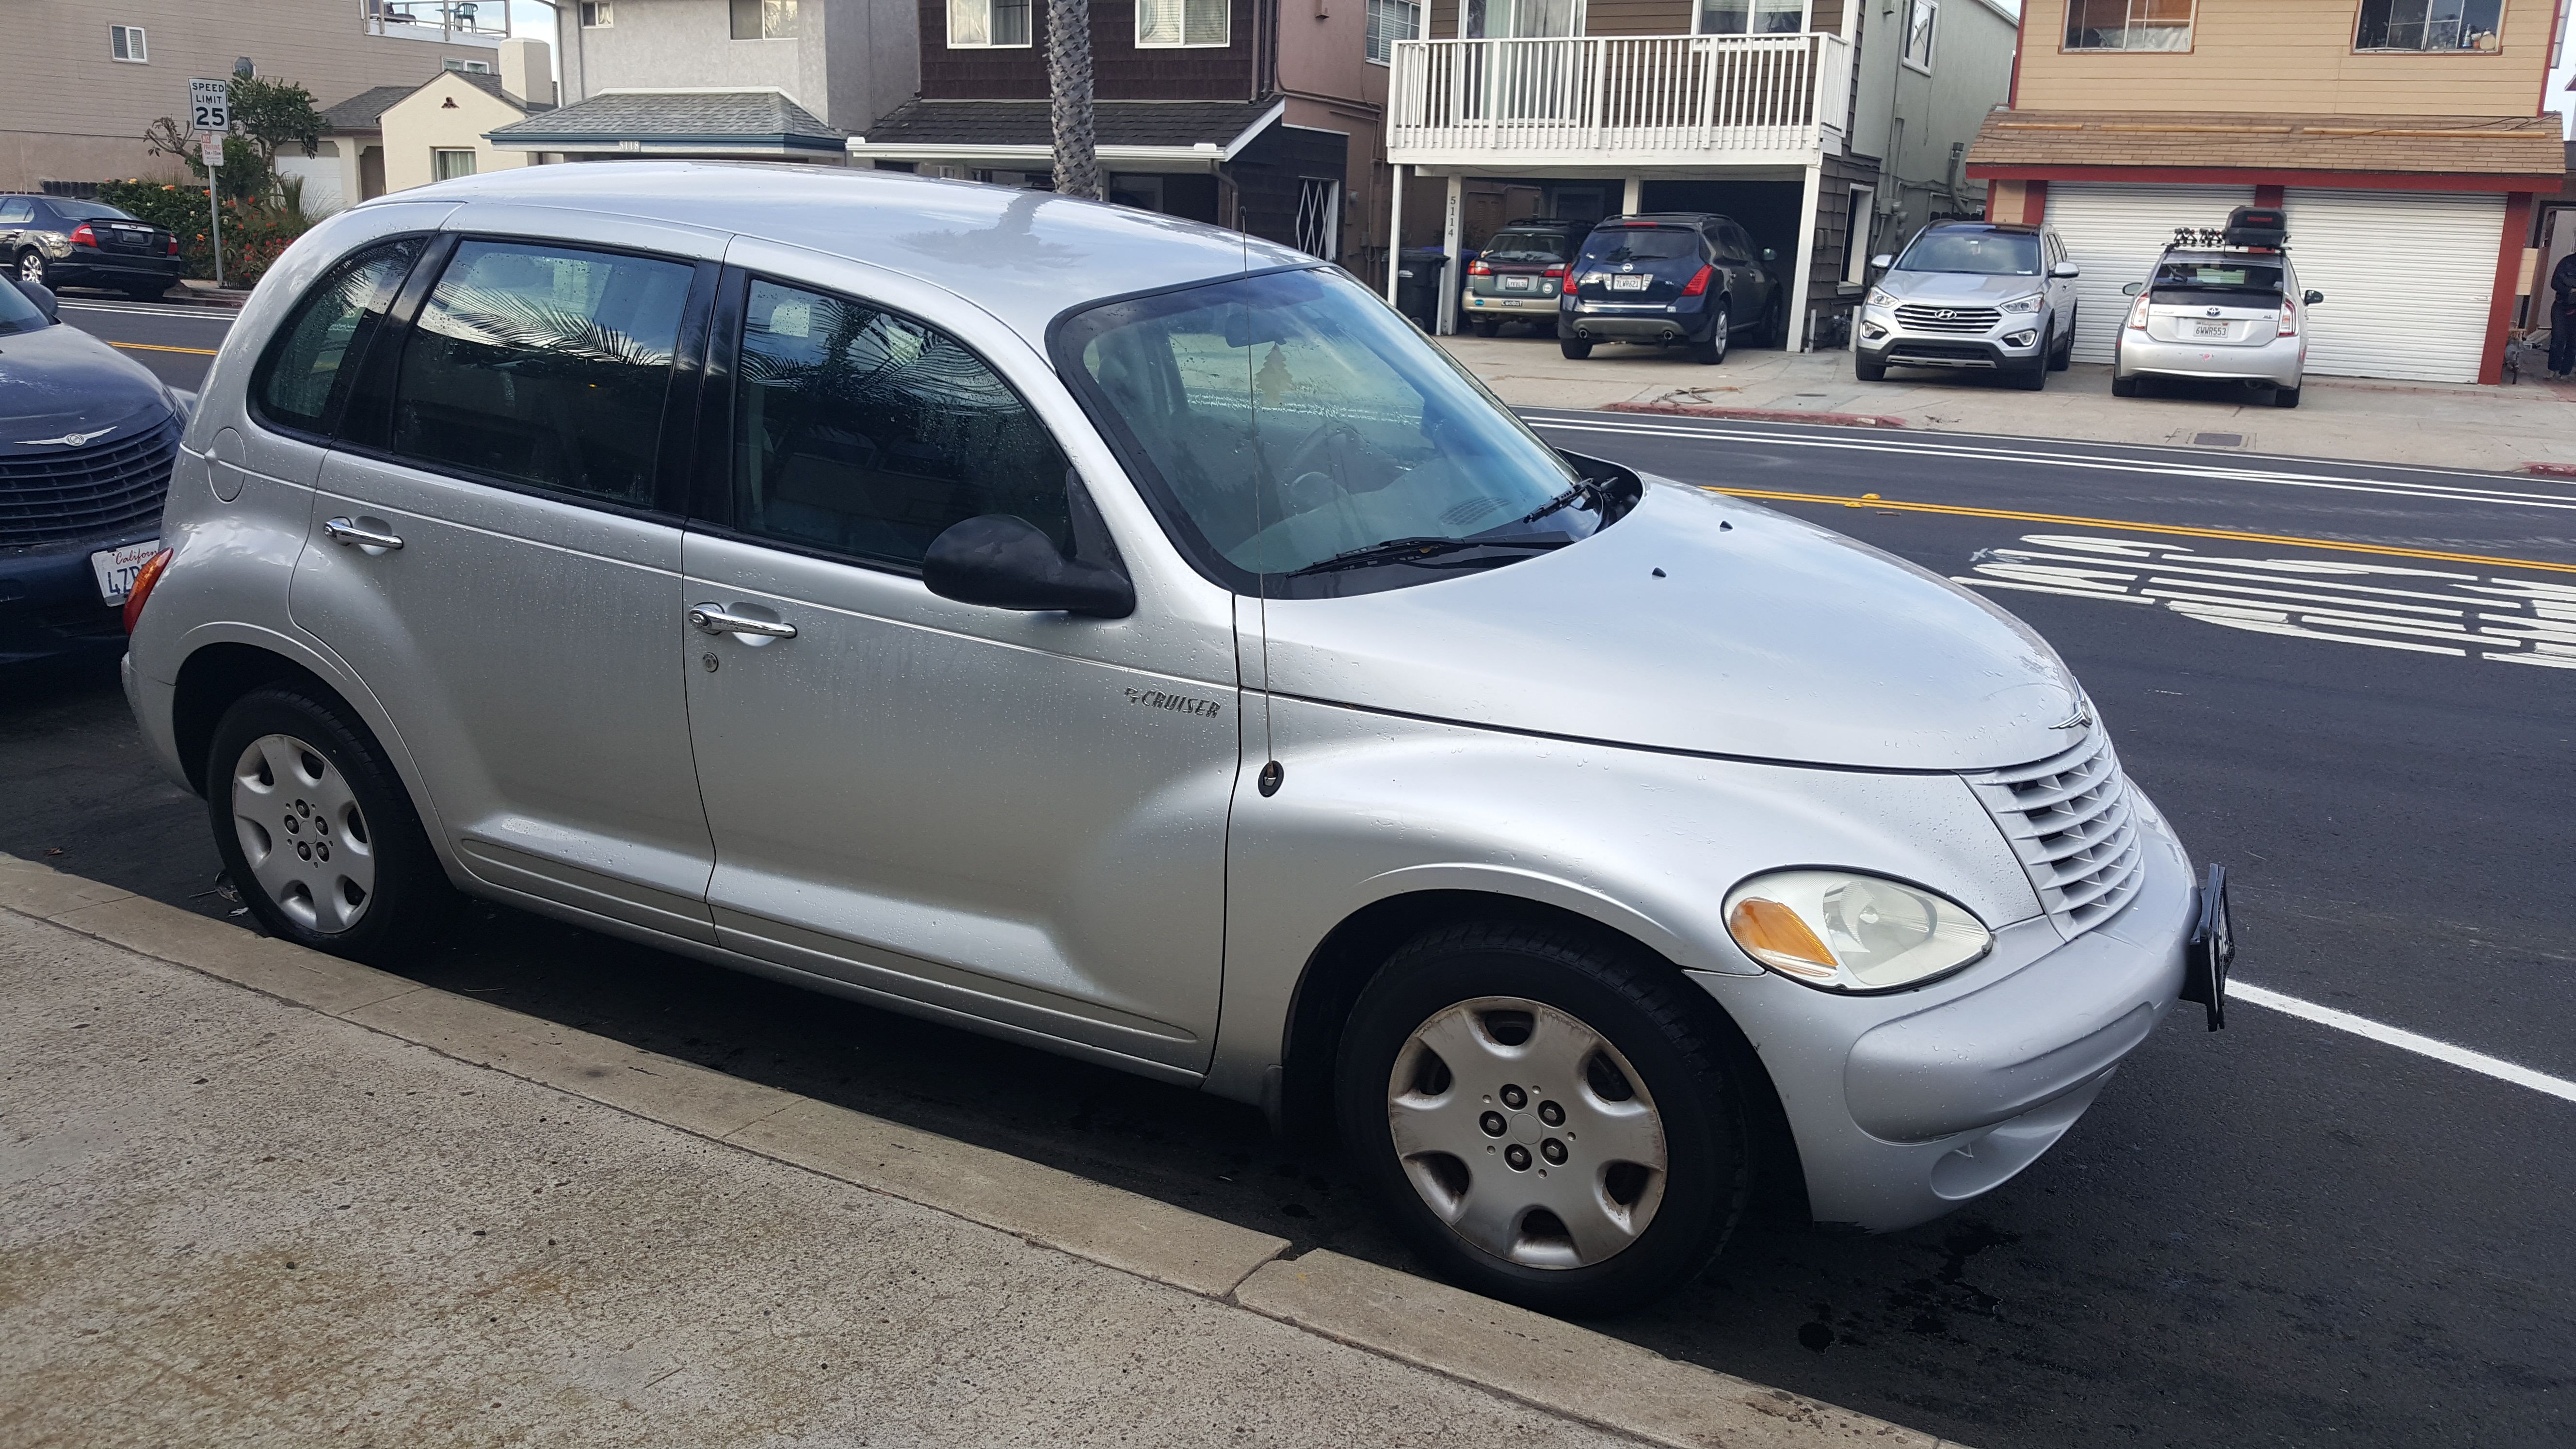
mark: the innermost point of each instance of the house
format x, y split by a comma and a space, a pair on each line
389, 138
1259, 116
1823, 127
778, 80
86, 78
2405, 140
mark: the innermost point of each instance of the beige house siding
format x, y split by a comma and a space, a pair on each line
2285, 56
70, 111
448, 114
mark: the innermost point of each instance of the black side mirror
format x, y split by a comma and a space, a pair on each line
1002, 561
2313, 298
1770, 254
43, 297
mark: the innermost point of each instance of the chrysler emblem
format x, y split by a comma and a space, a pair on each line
67, 440
2080, 720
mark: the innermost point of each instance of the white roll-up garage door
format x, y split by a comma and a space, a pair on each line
2408, 278
2113, 232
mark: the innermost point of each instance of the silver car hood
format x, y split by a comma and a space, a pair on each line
1764, 637
1974, 289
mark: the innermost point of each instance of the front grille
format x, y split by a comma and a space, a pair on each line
62, 494
2071, 820
1949, 319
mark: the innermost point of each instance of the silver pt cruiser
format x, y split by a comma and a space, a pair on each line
1128, 638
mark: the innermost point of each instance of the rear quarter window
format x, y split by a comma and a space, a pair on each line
302, 372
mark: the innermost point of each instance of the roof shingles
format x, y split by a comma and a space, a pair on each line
678, 117
1025, 123
2256, 141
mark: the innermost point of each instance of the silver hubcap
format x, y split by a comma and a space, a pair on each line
302, 833
1527, 1132
31, 267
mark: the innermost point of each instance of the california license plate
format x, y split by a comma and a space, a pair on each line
1516, 284
116, 568
1629, 282
2208, 329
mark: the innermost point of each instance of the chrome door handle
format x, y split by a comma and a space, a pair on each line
712, 619
346, 533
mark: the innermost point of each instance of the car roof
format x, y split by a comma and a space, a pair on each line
2014, 228
1023, 256
1665, 218
2219, 254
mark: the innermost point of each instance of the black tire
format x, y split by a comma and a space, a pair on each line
2123, 386
1713, 351
1647, 1015
1775, 324
1868, 371
2036, 376
32, 267
409, 899
1485, 326
147, 294
1575, 348
2285, 397
2064, 357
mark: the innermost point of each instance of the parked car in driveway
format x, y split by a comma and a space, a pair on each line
59, 242
1145, 645
1693, 279
1976, 296
2214, 312
1520, 274
87, 437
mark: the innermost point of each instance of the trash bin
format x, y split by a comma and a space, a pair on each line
1419, 274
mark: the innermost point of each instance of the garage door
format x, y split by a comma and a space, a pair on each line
2114, 232
2408, 278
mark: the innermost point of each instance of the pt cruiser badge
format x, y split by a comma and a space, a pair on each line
1182, 703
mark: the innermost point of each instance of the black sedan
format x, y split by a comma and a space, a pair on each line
55, 241
87, 440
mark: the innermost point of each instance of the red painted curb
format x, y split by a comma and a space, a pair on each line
2551, 470
1759, 415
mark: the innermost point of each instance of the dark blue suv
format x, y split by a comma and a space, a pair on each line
1691, 278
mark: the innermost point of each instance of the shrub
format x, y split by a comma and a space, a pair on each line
254, 232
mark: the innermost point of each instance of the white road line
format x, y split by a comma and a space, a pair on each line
193, 314
2440, 1051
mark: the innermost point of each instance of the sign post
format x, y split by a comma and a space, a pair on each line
210, 110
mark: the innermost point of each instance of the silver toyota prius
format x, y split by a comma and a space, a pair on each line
1132, 639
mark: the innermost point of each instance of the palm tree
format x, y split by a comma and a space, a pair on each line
1077, 159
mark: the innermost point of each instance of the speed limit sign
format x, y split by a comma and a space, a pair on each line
210, 105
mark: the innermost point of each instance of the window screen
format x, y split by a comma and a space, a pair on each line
763, 19
543, 365
2430, 25
863, 432
2128, 24
1181, 22
977, 23
1388, 22
293, 384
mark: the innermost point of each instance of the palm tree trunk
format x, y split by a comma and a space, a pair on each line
1077, 159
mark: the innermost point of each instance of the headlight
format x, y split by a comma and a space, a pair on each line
2022, 304
1878, 298
1841, 931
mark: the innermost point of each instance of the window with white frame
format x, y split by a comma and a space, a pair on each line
1388, 22
598, 14
1319, 217
1752, 17
2128, 24
1920, 25
1163, 23
470, 67
1857, 225
448, 165
125, 42
980, 24
764, 19
2431, 25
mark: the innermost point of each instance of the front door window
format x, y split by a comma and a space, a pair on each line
1752, 17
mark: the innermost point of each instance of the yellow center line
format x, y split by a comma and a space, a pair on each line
157, 347
2232, 535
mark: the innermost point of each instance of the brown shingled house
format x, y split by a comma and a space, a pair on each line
2404, 138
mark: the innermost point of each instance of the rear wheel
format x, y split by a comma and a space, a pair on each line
1544, 1115
2285, 397
1713, 351
1576, 348
316, 830
2123, 386
31, 267
146, 293
1486, 326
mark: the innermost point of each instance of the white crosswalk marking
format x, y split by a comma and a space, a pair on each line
2425, 611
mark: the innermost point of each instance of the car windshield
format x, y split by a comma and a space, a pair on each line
90, 211
1526, 246
2232, 276
17, 313
1979, 253
1287, 419
1616, 244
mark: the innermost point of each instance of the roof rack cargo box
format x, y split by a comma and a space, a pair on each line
2257, 226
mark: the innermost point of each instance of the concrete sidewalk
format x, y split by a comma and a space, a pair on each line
2440, 425
249, 1194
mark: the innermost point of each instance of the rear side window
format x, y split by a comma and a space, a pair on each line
15, 208
863, 432
89, 211
1616, 244
322, 339
543, 365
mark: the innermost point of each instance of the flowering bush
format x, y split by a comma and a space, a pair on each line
255, 232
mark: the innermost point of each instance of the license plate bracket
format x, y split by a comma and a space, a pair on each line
1629, 282
115, 568
2203, 328
1516, 284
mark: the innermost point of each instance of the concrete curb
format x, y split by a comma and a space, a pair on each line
2550, 470
1758, 415
1551, 1365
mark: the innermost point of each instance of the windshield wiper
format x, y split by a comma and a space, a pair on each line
1415, 550
1584, 491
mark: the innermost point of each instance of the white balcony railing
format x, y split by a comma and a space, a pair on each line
1607, 100
473, 22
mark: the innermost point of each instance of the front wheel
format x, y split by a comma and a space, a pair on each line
1575, 348
2064, 357
316, 830
1713, 351
31, 267
1868, 371
1547, 1119
2037, 377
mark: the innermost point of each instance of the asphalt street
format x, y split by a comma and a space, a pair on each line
2334, 678
177, 343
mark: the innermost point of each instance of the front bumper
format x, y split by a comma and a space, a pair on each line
1904, 1106
49, 603
1896, 345
2278, 363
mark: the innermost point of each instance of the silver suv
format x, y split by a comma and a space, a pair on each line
1136, 641
1977, 296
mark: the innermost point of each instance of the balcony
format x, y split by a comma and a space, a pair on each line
449, 22
1620, 102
